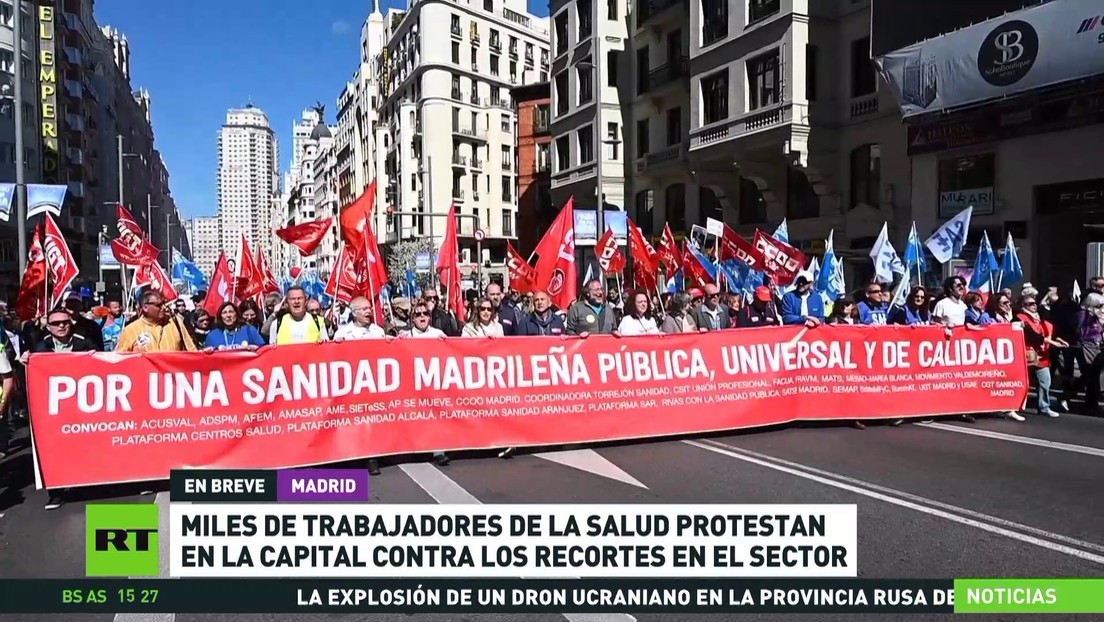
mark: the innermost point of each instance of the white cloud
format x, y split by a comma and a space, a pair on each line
339, 27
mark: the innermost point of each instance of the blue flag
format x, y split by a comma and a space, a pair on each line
985, 266
187, 273
1011, 272
709, 267
914, 252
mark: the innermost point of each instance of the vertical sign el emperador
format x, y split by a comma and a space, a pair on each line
47, 78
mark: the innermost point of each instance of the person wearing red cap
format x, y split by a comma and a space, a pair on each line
762, 310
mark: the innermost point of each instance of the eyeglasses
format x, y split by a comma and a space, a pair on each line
713, 296
60, 323
421, 314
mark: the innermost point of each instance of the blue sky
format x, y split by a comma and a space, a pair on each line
198, 58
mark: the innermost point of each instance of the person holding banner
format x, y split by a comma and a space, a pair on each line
639, 320
62, 337
802, 306
360, 325
711, 314
761, 311
421, 317
678, 319
155, 329
298, 326
542, 321
483, 322
592, 315
231, 333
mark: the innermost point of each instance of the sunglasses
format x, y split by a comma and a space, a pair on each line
155, 304
60, 323
421, 314
431, 298
486, 308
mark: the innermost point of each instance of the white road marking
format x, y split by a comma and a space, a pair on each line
913, 502
592, 462
162, 501
447, 492
1015, 438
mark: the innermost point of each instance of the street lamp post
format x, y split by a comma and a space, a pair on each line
20, 157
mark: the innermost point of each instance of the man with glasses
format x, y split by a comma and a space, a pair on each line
298, 325
155, 329
592, 315
950, 311
360, 325
440, 318
873, 310
62, 337
711, 314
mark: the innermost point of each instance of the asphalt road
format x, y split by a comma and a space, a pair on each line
950, 499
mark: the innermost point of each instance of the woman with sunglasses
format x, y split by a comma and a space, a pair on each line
484, 321
1039, 339
916, 310
231, 332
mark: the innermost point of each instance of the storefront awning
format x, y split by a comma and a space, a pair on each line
1031, 49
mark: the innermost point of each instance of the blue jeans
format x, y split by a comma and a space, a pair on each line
1042, 387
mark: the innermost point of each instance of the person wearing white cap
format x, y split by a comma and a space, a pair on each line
802, 306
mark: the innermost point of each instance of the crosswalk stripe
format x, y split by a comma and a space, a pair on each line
1015, 438
592, 462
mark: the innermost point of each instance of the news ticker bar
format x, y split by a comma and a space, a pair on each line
413, 596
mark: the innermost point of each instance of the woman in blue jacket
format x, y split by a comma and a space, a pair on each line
230, 333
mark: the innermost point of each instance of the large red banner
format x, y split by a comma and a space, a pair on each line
116, 418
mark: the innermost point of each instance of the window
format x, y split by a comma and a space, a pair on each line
513, 70
455, 53
674, 126
714, 20
496, 41
810, 72
613, 138
474, 58
507, 223
586, 144
544, 157
801, 199
714, 93
866, 175
642, 138
760, 9
561, 93
586, 83
455, 25
507, 158
674, 202
494, 64
611, 68
505, 123
495, 92
488, 5
563, 153
583, 10
456, 87
863, 81
764, 81
507, 188
561, 34
753, 208
973, 175
642, 68
644, 204
611, 10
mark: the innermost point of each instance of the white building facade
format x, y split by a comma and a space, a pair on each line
203, 238
589, 40
447, 122
248, 180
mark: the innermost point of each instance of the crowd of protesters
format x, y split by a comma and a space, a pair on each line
1064, 337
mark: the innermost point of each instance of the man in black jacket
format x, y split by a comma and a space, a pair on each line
440, 318
89, 329
62, 337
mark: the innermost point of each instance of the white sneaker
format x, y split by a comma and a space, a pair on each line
1015, 416
1049, 413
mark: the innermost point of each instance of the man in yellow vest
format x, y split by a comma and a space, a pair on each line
297, 326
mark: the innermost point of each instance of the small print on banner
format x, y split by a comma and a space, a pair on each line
533, 541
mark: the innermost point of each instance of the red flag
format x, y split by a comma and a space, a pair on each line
642, 253
221, 289
31, 302
345, 282
693, 274
668, 251
131, 247
375, 272
555, 269
306, 236
62, 266
271, 285
448, 267
250, 279
734, 246
151, 275
610, 258
521, 273
355, 216
644, 279
780, 260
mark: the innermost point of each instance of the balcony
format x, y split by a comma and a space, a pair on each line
459, 161
457, 195
474, 99
667, 74
496, 45
76, 188
74, 123
504, 104
456, 32
74, 89
542, 124
514, 53
864, 106
648, 9
475, 37
507, 166
475, 195
470, 133
73, 56
75, 155
476, 163
775, 117
457, 95
541, 167
664, 157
